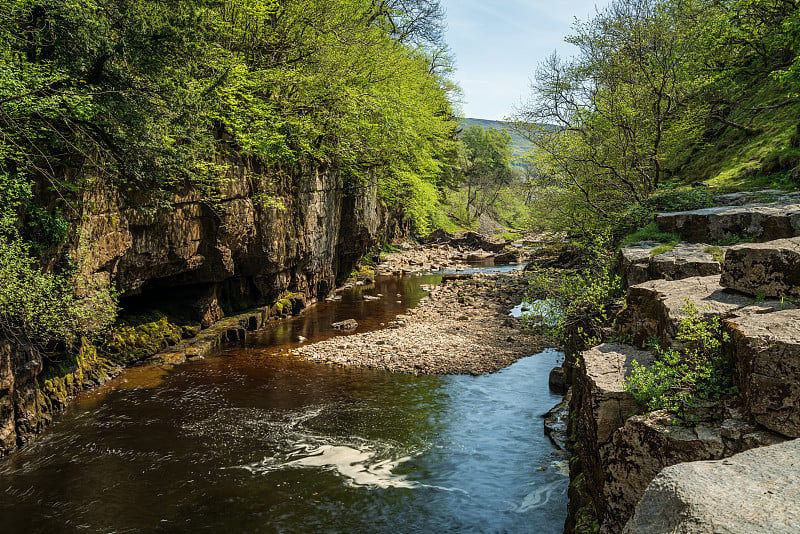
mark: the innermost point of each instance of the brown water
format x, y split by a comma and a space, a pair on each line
256, 441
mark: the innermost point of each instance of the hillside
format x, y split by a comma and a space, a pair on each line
521, 145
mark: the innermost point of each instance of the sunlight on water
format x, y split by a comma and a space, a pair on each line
358, 467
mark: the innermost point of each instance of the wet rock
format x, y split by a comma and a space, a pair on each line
754, 491
770, 269
638, 264
765, 349
761, 222
347, 324
557, 381
555, 422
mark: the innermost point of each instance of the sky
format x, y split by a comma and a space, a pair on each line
499, 43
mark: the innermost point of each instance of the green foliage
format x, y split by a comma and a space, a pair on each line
678, 379
485, 164
583, 294
43, 308
664, 90
143, 97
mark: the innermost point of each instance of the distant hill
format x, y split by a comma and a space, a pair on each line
521, 145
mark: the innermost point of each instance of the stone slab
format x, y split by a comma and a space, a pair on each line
771, 269
654, 309
646, 444
762, 223
754, 491
639, 264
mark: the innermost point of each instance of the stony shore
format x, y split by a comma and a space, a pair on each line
462, 327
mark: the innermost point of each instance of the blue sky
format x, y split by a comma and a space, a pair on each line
499, 43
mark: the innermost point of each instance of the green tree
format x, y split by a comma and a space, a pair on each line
607, 122
485, 168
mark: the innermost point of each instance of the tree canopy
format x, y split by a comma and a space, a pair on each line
651, 81
144, 95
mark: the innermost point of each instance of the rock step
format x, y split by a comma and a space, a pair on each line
765, 350
762, 223
771, 269
638, 264
654, 309
754, 491
647, 444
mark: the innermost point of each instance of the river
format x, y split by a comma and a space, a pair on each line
254, 440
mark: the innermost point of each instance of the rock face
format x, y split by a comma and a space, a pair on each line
19, 366
765, 350
616, 456
762, 223
638, 263
769, 269
258, 242
755, 491
599, 406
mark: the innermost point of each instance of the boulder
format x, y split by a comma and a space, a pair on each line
507, 257
765, 350
760, 222
770, 269
639, 264
558, 381
754, 491
654, 309
475, 241
347, 324
438, 237
646, 444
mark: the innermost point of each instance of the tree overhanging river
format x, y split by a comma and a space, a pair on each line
256, 441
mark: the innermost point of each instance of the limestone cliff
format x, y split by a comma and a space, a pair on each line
198, 256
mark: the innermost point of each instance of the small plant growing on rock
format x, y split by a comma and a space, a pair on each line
680, 378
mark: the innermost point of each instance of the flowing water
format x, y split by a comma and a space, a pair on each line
254, 440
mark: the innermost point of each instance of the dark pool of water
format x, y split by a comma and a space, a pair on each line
256, 441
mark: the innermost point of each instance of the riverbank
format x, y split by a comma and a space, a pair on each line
462, 327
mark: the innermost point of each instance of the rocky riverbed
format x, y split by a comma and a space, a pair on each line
462, 327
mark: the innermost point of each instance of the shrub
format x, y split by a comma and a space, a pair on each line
41, 307
651, 232
672, 199
678, 379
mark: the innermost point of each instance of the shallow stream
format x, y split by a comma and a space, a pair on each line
254, 440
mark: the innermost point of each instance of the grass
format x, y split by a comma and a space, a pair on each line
734, 160
717, 253
661, 249
651, 232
